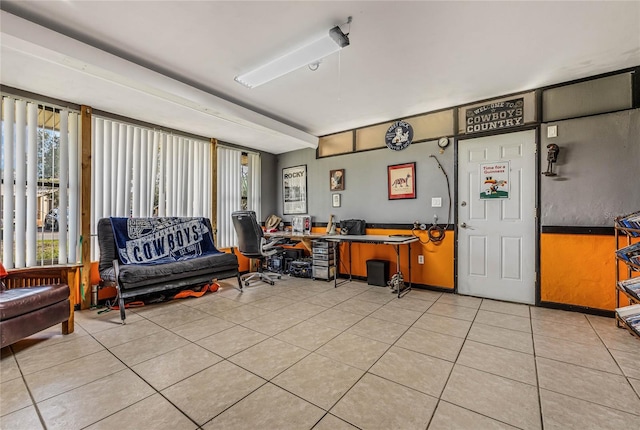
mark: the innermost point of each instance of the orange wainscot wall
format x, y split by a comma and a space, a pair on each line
578, 270
437, 270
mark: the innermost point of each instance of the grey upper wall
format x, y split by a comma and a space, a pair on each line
269, 184
365, 195
598, 170
598, 166
598, 177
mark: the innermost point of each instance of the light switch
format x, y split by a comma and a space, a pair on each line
436, 202
552, 131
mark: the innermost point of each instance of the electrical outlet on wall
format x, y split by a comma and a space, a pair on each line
420, 259
436, 202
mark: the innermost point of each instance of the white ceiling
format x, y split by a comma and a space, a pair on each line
172, 63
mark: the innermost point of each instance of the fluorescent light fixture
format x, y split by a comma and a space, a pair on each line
332, 42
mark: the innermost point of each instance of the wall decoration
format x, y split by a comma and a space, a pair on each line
401, 181
294, 190
399, 135
494, 180
495, 116
336, 180
335, 200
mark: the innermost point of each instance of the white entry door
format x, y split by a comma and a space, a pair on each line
496, 217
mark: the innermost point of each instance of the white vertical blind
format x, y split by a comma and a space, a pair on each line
63, 184
190, 176
162, 191
105, 155
74, 187
97, 169
174, 186
208, 183
115, 149
137, 149
154, 157
126, 189
21, 182
8, 120
32, 184
40, 172
229, 194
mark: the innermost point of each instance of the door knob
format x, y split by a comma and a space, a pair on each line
463, 204
463, 225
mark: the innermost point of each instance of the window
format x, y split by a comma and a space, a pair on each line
238, 189
141, 172
40, 184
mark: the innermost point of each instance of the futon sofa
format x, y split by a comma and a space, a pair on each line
32, 300
141, 256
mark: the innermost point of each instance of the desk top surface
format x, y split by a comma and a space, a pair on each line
371, 238
294, 234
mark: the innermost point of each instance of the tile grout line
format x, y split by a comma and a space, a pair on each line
127, 367
613, 358
33, 400
535, 364
269, 381
457, 364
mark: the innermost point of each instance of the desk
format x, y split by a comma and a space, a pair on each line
304, 238
396, 241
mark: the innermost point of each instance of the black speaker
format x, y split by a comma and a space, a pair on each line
377, 272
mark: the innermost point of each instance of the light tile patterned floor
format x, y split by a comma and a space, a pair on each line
303, 355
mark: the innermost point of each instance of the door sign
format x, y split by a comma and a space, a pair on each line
494, 180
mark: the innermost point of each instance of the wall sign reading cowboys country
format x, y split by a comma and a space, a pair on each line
399, 135
495, 116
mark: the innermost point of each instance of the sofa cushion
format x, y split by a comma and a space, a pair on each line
133, 276
107, 243
19, 301
25, 325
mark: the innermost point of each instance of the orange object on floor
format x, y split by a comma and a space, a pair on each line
213, 287
135, 304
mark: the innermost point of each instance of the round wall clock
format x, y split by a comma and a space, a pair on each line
399, 135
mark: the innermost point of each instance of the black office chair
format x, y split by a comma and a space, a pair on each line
252, 244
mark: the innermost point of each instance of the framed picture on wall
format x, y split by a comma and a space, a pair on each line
401, 180
336, 180
294, 190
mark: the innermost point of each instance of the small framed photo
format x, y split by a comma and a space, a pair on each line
401, 180
336, 180
335, 200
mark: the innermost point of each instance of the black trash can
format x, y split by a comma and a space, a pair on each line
377, 272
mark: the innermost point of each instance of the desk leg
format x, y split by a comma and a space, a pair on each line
409, 255
350, 270
338, 259
402, 289
337, 263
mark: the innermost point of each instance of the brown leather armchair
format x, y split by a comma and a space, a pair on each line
32, 300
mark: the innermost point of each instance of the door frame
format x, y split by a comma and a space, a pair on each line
456, 160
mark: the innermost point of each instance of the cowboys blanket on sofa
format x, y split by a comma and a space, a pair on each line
161, 240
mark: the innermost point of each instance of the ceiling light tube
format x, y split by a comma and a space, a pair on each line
332, 42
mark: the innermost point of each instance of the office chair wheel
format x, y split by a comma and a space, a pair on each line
246, 283
279, 276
